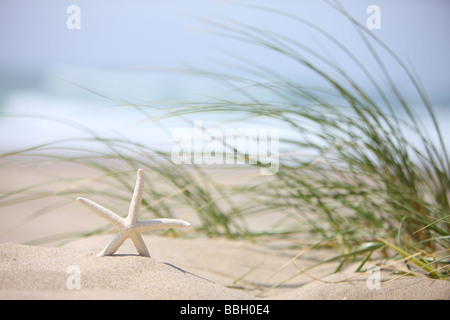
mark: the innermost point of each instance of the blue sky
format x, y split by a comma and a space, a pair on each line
121, 42
133, 34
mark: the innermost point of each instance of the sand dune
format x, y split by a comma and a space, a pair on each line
180, 268
186, 269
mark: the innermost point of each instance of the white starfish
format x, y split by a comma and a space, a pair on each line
130, 227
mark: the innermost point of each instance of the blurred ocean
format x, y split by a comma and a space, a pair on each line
102, 101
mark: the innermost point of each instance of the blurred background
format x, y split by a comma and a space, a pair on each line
123, 49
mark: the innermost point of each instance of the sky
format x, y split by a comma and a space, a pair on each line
121, 46
115, 34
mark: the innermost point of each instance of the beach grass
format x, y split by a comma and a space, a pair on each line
359, 175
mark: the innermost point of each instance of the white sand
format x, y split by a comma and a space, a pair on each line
180, 268
185, 269
39, 272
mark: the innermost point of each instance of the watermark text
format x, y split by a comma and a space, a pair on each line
230, 147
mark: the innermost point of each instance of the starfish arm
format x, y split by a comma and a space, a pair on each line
140, 245
161, 224
136, 200
115, 243
103, 212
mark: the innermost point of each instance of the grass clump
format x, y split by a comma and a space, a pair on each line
359, 168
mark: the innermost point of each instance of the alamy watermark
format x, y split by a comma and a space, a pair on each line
73, 21
374, 279
374, 20
230, 147
73, 282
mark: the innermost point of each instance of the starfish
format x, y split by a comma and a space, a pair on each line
130, 227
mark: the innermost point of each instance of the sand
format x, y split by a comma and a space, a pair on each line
193, 269
187, 267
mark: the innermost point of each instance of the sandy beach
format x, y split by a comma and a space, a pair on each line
186, 269
190, 266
